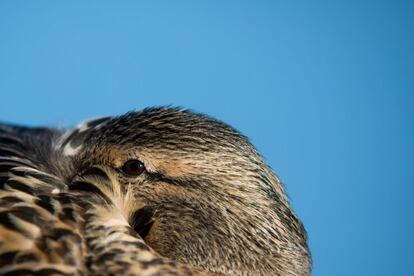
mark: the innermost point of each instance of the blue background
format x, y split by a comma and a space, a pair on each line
323, 88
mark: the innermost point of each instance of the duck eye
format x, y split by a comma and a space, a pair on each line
133, 167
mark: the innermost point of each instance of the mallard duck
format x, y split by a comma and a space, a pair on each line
162, 191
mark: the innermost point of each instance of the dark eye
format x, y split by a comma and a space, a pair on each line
133, 167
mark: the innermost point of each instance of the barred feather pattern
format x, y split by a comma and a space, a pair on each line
40, 226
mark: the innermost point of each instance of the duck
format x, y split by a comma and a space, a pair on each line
159, 191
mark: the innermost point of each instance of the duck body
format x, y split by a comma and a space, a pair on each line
162, 191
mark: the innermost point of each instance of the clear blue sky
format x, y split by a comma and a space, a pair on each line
323, 88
